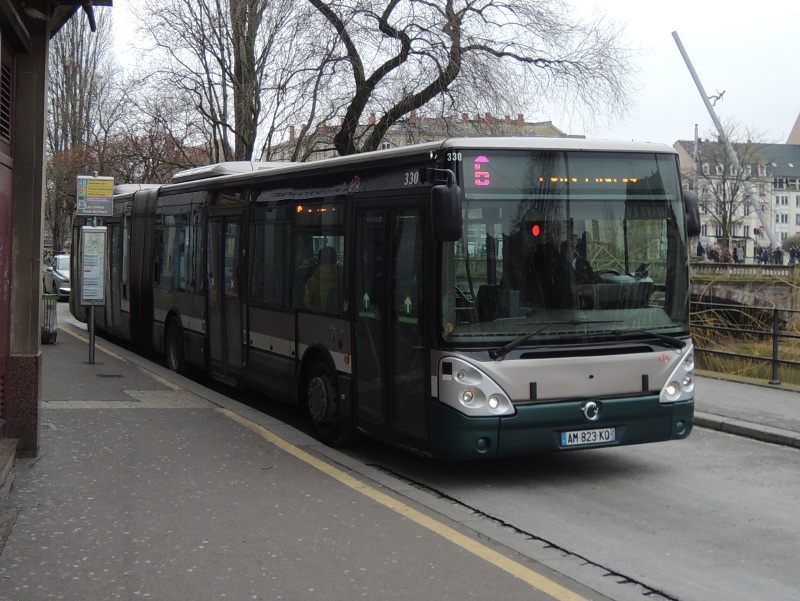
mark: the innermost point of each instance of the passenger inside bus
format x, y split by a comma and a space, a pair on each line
324, 285
574, 251
562, 273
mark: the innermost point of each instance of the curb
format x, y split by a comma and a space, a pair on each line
747, 429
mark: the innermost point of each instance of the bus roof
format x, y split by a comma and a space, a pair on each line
543, 143
226, 173
130, 188
226, 168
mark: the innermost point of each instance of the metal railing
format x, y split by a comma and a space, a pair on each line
726, 331
705, 269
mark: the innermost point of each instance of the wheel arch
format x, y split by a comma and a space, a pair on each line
344, 432
314, 355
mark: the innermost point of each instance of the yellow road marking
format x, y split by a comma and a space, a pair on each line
524, 573
110, 353
160, 380
100, 347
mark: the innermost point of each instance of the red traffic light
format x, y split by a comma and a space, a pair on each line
536, 229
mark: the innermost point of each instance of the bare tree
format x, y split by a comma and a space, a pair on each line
228, 56
80, 69
256, 69
721, 187
79, 91
158, 136
402, 54
301, 105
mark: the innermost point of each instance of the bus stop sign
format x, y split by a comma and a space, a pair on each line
95, 196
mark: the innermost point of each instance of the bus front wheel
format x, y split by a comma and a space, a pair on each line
322, 405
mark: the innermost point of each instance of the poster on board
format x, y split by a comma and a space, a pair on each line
93, 264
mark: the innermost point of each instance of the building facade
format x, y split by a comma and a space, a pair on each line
729, 218
412, 130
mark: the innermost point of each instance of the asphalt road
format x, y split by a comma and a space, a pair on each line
711, 517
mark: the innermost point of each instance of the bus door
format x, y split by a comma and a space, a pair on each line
389, 360
113, 323
142, 269
224, 310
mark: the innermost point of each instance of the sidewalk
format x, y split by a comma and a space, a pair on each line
753, 409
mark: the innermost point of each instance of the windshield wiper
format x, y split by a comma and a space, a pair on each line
499, 354
670, 341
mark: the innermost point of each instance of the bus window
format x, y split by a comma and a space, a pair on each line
171, 253
318, 257
269, 253
324, 285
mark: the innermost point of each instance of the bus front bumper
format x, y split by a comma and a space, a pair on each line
548, 427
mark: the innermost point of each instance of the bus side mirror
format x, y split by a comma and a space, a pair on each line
446, 212
692, 208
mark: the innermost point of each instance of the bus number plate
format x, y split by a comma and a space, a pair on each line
581, 437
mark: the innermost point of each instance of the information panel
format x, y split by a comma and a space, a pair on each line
93, 264
95, 196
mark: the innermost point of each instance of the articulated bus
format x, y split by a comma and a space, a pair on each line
462, 299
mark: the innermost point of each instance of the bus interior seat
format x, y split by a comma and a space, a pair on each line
488, 302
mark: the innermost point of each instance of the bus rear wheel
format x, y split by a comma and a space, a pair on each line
173, 346
324, 409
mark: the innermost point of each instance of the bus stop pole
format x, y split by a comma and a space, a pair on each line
90, 320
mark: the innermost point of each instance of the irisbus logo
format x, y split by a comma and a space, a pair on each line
591, 411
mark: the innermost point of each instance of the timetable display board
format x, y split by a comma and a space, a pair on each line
94, 241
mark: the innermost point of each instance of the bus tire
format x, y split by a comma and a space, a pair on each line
322, 406
173, 346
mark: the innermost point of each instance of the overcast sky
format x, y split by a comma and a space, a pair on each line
748, 50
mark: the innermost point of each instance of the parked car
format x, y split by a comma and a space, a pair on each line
55, 279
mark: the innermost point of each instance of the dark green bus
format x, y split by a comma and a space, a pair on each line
468, 298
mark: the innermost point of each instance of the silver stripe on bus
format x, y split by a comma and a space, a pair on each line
194, 324
272, 344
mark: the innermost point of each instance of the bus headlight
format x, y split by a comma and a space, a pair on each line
680, 384
469, 390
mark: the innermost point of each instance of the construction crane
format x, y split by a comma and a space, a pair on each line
749, 189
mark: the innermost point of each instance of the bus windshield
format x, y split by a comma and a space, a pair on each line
566, 247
